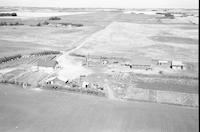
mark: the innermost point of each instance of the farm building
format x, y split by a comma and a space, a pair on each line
47, 65
54, 81
177, 65
140, 64
162, 62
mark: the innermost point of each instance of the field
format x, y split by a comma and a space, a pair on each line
153, 41
35, 110
24, 39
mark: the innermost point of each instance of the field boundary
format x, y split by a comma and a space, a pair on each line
165, 97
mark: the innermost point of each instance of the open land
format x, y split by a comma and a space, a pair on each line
41, 110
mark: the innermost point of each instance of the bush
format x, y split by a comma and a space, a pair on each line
17, 23
54, 18
45, 23
11, 24
3, 24
13, 14
77, 25
39, 24
169, 15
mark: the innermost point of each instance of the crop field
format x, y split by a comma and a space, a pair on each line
39, 110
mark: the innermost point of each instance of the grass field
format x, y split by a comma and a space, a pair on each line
142, 40
23, 110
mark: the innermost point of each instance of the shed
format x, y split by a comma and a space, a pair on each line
177, 65
140, 64
162, 62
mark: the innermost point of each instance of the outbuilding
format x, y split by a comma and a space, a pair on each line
162, 62
177, 65
55, 81
141, 64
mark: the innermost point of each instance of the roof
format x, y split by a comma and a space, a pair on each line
177, 63
47, 63
162, 61
50, 79
56, 80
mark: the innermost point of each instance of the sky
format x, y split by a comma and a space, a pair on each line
104, 3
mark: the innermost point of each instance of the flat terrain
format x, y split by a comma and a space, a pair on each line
23, 110
136, 41
27, 39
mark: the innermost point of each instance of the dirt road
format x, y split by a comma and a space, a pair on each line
71, 68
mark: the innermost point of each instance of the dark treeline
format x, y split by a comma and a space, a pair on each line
54, 18
9, 58
167, 15
71, 24
46, 53
44, 23
10, 24
8, 14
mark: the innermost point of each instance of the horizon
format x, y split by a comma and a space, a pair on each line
96, 7
166, 4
